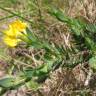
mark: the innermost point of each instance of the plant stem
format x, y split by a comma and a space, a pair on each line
15, 14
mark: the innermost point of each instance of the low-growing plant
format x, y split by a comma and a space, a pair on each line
55, 56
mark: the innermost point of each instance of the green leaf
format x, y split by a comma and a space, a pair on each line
41, 70
36, 44
32, 85
37, 72
89, 42
41, 73
77, 26
33, 40
7, 82
59, 14
12, 82
91, 28
92, 62
30, 35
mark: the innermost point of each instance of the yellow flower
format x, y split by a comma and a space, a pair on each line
12, 42
15, 28
19, 25
13, 34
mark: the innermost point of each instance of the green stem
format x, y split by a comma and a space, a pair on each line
15, 14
